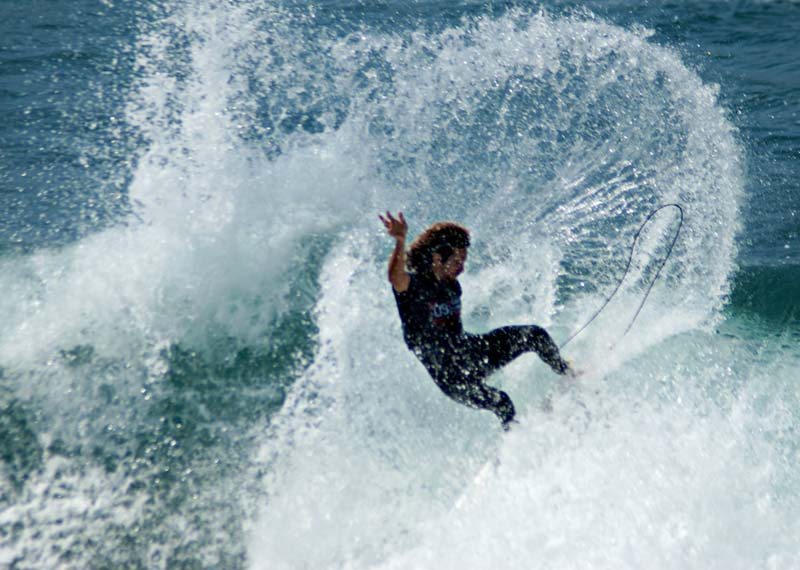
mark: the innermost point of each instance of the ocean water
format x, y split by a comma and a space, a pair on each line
201, 365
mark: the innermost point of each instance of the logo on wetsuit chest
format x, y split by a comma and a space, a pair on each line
444, 313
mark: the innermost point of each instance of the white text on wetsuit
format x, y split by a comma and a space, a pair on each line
443, 314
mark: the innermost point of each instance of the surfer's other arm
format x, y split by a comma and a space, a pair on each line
397, 228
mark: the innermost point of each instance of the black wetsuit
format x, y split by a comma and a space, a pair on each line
459, 362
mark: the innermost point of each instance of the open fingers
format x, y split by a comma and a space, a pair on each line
391, 222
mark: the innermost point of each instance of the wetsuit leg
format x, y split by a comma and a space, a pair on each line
476, 394
499, 347
460, 370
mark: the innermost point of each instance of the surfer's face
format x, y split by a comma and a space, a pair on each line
451, 268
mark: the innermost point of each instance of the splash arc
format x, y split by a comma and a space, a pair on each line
646, 294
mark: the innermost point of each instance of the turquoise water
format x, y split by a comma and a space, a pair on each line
201, 364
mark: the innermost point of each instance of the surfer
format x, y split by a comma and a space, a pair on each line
425, 285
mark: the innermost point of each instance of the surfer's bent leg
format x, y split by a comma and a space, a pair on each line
479, 395
460, 371
464, 384
501, 346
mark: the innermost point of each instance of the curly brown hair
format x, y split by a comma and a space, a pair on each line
441, 237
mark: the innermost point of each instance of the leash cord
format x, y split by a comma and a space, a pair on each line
628, 267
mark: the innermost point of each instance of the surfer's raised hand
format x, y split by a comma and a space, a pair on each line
395, 227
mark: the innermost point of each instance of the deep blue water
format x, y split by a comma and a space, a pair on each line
200, 361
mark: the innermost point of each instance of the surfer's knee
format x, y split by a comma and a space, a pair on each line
537, 333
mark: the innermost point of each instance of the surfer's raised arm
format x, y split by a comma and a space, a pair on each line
397, 228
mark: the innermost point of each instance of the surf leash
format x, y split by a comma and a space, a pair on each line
628, 267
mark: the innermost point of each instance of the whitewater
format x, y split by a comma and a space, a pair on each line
216, 376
